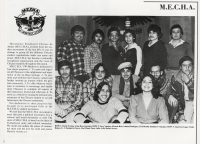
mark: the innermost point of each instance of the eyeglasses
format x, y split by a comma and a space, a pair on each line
155, 72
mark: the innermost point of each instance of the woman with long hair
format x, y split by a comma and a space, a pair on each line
148, 106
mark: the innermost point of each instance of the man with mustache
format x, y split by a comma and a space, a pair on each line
124, 84
112, 52
68, 93
73, 51
154, 50
92, 53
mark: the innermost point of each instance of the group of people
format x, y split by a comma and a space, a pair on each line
121, 83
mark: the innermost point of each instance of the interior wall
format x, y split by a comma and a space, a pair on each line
65, 23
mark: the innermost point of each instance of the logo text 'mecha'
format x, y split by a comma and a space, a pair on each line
30, 21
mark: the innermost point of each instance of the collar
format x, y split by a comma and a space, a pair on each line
69, 81
111, 44
161, 80
180, 43
95, 45
152, 43
75, 43
104, 102
134, 45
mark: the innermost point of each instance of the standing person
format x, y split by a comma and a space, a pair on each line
124, 84
132, 52
103, 109
148, 106
73, 51
154, 50
176, 49
181, 92
68, 98
111, 52
99, 74
92, 53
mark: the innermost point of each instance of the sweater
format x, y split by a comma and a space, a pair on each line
154, 54
175, 54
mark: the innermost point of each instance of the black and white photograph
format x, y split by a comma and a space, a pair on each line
124, 69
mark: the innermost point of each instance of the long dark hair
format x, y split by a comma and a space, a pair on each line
96, 67
122, 84
98, 90
156, 90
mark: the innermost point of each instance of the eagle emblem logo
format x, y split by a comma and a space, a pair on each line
30, 21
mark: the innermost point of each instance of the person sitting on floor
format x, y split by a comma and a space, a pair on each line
68, 93
103, 108
99, 74
124, 84
148, 106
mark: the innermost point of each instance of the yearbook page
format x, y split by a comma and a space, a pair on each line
99, 71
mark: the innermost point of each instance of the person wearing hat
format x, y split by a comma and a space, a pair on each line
124, 84
68, 93
154, 50
181, 92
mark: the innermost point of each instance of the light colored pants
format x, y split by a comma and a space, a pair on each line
113, 76
189, 111
60, 111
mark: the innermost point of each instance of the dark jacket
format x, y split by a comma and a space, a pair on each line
111, 58
154, 54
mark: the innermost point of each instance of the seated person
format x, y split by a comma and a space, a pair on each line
99, 74
103, 109
163, 82
68, 93
124, 84
181, 92
148, 107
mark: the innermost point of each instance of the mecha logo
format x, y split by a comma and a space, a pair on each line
30, 22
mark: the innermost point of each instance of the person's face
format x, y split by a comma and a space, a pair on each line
153, 35
155, 72
187, 67
147, 84
78, 36
65, 71
126, 73
176, 34
100, 73
114, 36
98, 38
104, 94
129, 38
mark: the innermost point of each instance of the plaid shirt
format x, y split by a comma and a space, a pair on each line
68, 95
89, 87
92, 56
74, 53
